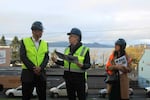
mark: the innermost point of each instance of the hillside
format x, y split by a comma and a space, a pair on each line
92, 45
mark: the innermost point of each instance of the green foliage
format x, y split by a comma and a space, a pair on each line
3, 41
15, 46
135, 53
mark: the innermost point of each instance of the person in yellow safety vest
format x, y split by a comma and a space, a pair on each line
34, 55
74, 73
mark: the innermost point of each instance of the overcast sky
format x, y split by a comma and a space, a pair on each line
99, 20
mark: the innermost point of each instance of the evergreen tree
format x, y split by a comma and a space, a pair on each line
15, 45
3, 41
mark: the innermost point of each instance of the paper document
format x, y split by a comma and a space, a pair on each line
69, 58
121, 61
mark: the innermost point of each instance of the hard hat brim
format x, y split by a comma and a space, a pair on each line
73, 34
69, 33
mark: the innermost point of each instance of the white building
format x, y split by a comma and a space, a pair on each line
144, 69
5, 56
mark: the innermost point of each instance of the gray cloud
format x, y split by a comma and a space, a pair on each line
99, 20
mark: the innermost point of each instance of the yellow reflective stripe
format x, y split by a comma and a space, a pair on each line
80, 53
84, 51
66, 49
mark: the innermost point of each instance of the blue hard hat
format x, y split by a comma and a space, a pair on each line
75, 31
37, 25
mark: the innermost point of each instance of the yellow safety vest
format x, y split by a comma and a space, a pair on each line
36, 56
80, 53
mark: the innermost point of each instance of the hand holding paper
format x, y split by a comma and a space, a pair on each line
79, 64
122, 64
54, 56
69, 58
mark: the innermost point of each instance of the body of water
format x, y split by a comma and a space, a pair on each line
98, 55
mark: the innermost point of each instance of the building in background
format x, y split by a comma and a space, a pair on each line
144, 69
5, 55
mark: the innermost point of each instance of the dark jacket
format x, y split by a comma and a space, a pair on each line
86, 63
28, 75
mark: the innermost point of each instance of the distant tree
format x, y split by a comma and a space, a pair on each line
15, 45
3, 41
94, 58
135, 53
